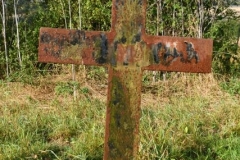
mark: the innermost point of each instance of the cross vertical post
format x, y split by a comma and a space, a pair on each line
127, 51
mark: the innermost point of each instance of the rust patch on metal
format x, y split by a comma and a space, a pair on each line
64, 45
180, 54
70, 46
127, 51
122, 138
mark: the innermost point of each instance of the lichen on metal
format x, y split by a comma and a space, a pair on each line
126, 50
124, 106
129, 21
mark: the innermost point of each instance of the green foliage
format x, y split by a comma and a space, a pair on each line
97, 15
96, 73
232, 86
64, 88
226, 48
182, 18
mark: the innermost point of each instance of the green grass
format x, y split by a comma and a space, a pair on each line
186, 118
232, 86
191, 129
59, 132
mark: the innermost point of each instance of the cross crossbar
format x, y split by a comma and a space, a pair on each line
126, 50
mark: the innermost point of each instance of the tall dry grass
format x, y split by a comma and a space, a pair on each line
188, 116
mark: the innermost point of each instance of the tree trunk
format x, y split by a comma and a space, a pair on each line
64, 14
79, 14
173, 19
18, 39
182, 17
4, 37
201, 18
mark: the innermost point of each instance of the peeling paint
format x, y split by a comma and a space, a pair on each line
192, 54
72, 52
100, 49
68, 46
168, 53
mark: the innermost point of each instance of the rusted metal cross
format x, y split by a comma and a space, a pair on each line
127, 51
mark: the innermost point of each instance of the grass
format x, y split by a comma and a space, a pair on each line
188, 116
59, 131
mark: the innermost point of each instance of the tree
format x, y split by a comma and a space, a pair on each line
17, 32
3, 16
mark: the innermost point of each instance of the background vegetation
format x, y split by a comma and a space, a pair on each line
22, 19
45, 113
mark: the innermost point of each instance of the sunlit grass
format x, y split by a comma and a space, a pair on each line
185, 117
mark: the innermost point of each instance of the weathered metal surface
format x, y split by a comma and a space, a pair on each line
180, 54
101, 48
123, 113
127, 51
71, 46
109, 48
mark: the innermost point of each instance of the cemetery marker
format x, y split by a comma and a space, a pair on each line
127, 51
